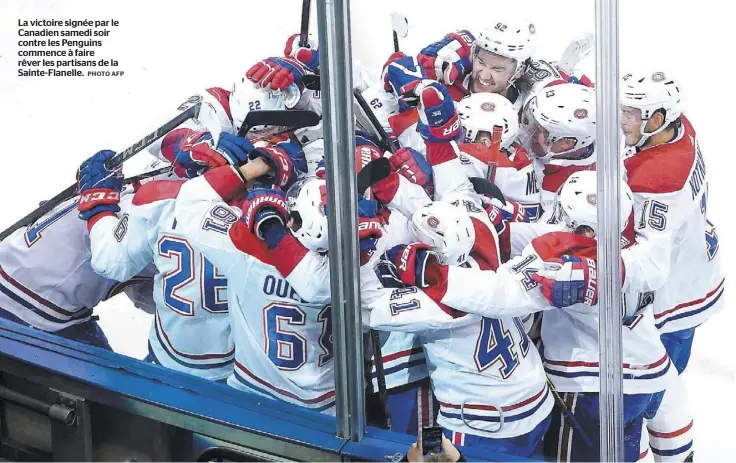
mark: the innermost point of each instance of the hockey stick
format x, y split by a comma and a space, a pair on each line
487, 188
400, 27
293, 118
386, 143
304, 32
380, 376
145, 175
372, 173
189, 113
575, 51
568, 415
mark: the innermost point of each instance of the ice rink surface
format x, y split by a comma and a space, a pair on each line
170, 50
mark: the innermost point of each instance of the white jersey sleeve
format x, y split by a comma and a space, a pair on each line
120, 246
507, 292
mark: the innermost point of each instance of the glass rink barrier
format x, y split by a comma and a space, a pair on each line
369, 230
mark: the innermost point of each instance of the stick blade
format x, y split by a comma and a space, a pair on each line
294, 118
312, 82
371, 173
399, 24
487, 188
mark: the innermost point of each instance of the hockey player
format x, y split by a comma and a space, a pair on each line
191, 329
47, 282
281, 319
485, 373
498, 59
558, 130
513, 290
676, 252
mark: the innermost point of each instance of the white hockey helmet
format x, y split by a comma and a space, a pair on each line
576, 203
650, 93
510, 39
447, 228
481, 112
561, 112
246, 97
305, 203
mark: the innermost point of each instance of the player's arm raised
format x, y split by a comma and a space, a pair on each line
119, 246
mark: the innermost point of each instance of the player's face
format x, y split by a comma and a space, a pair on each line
491, 73
631, 125
537, 139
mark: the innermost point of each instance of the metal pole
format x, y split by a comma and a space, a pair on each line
608, 135
333, 20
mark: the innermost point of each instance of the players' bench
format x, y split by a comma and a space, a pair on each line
126, 409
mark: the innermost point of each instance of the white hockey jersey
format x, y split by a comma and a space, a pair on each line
404, 361
191, 329
570, 335
46, 278
676, 251
280, 307
486, 374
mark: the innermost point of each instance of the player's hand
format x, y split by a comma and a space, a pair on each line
401, 75
277, 73
447, 60
99, 187
369, 232
196, 154
287, 162
509, 212
264, 207
438, 119
413, 166
412, 262
568, 281
308, 55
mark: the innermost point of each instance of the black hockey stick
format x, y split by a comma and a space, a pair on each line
191, 112
400, 27
380, 376
304, 32
372, 173
71, 190
487, 188
312, 82
386, 143
293, 118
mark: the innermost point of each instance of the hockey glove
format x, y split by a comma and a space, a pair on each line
308, 56
263, 206
412, 262
447, 60
287, 161
438, 120
568, 281
99, 187
278, 73
401, 75
369, 232
414, 166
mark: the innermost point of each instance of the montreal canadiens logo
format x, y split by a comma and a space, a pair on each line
658, 77
592, 199
490, 107
581, 113
433, 221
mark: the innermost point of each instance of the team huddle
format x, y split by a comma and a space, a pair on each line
477, 233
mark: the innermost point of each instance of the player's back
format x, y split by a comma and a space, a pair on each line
487, 376
283, 344
191, 329
46, 278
